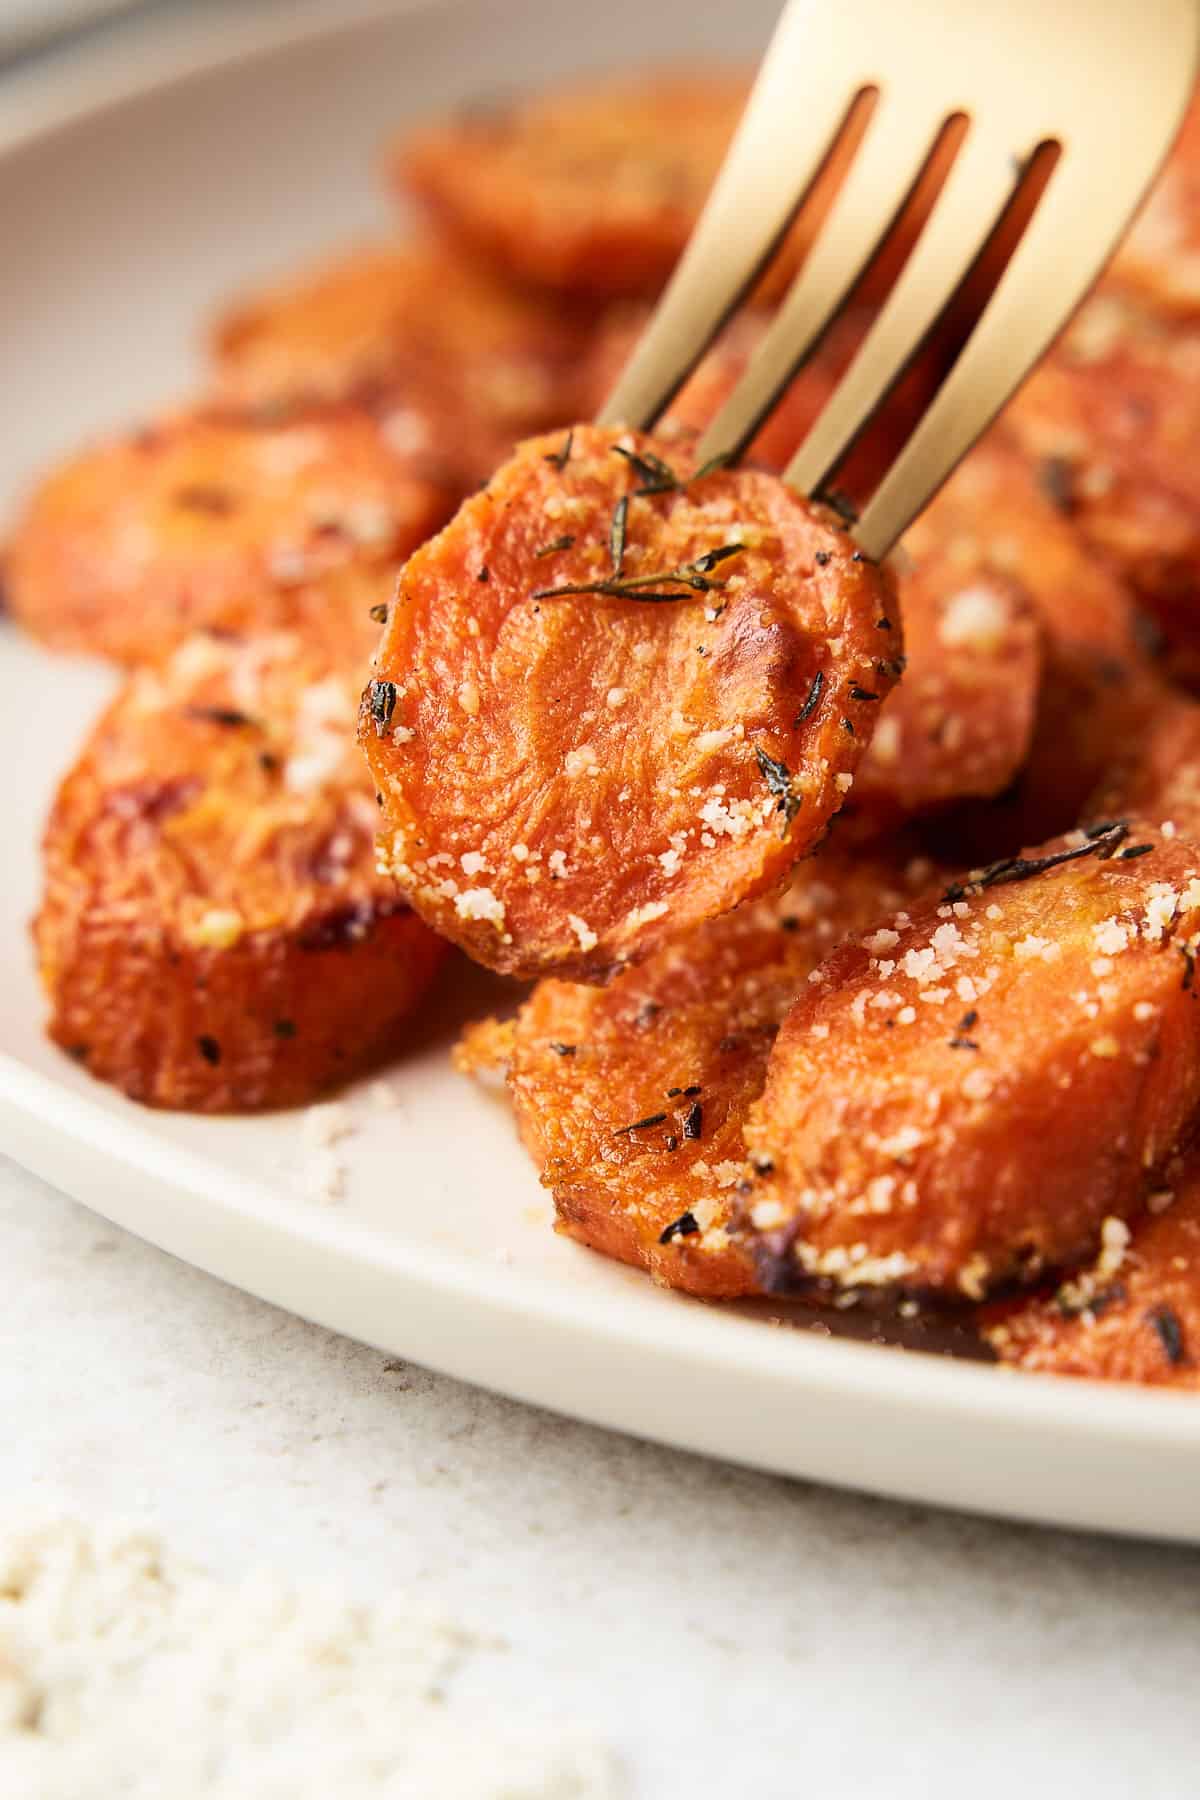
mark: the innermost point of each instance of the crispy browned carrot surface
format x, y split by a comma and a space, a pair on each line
1156, 774
456, 365
1110, 418
1159, 261
966, 1093
632, 1098
1097, 689
212, 933
616, 698
210, 522
960, 724
1133, 1314
592, 189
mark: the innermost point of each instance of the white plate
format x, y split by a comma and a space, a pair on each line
125, 215
26, 23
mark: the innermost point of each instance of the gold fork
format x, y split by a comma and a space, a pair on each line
1100, 85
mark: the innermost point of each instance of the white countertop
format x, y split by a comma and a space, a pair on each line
728, 1632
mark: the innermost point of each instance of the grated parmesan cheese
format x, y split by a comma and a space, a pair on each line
126, 1670
975, 619
217, 929
580, 762
583, 931
480, 903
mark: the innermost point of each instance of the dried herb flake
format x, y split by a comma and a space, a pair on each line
1166, 1322
778, 778
1055, 477
657, 477
810, 700
684, 1226
381, 700
641, 1124
228, 716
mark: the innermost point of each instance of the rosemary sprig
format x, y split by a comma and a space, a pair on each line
552, 549
1100, 842
657, 476
560, 458
694, 577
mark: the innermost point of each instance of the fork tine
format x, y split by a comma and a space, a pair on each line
1070, 235
777, 153
898, 141
983, 178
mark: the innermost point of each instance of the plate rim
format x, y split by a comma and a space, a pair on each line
960, 1386
83, 82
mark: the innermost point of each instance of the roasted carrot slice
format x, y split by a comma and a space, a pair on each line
215, 523
631, 1099
965, 1094
1131, 1315
1159, 262
1111, 418
456, 365
960, 724
616, 698
1156, 774
212, 934
593, 190
1098, 688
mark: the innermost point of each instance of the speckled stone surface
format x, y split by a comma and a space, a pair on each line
729, 1632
